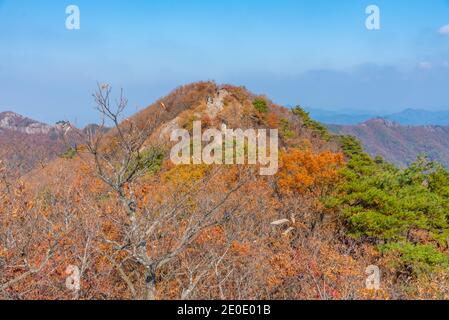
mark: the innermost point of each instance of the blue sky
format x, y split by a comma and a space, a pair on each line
315, 53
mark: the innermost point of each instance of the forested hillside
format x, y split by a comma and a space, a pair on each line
400, 144
26, 144
138, 227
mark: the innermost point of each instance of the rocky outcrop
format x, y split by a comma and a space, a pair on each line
16, 122
216, 104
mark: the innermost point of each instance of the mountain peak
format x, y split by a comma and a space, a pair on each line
13, 121
381, 121
10, 114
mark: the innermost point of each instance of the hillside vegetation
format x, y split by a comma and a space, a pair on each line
400, 144
138, 227
26, 144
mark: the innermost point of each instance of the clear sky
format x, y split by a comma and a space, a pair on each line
315, 53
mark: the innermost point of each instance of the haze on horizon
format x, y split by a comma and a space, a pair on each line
318, 54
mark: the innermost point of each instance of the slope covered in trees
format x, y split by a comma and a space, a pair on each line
138, 227
400, 144
26, 144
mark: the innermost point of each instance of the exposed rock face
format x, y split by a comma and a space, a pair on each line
168, 128
16, 122
216, 104
380, 122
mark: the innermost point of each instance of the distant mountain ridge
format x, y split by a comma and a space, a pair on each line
400, 144
399, 138
345, 117
417, 117
25, 143
12, 121
414, 117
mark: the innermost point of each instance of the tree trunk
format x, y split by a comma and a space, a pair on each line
150, 284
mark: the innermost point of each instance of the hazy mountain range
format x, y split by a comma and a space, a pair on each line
399, 138
26, 143
413, 117
400, 144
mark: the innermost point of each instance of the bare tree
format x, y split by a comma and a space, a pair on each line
120, 159
29, 238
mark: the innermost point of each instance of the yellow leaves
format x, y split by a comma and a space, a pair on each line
15, 212
109, 209
304, 171
366, 294
30, 205
185, 173
85, 169
3, 252
19, 191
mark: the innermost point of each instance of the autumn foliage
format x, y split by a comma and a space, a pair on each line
138, 227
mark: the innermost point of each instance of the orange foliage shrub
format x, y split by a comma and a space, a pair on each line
304, 171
